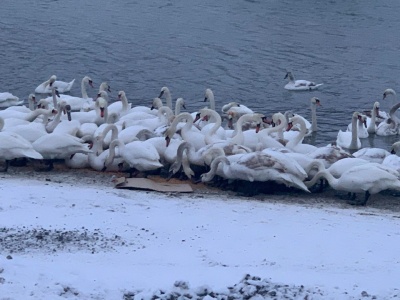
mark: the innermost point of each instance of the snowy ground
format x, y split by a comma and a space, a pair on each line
62, 237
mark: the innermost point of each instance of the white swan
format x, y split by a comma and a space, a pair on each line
256, 166
248, 138
376, 155
350, 139
138, 155
58, 146
120, 107
296, 143
371, 122
7, 99
62, 86
299, 85
98, 116
362, 127
76, 103
389, 126
188, 133
213, 131
22, 108
14, 146
239, 109
365, 178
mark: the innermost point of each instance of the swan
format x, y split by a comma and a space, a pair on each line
179, 104
213, 131
62, 86
23, 108
329, 154
193, 136
76, 103
27, 116
205, 155
14, 146
376, 155
387, 93
256, 166
371, 122
59, 146
120, 107
295, 144
239, 109
98, 116
152, 123
165, 92
299, 85
389, 126
248, 138
349, 139
266, 138
139, 156
7, 99
365, 178
362, 127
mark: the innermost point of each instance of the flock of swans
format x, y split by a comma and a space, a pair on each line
235, 145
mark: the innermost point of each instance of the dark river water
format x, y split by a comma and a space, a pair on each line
238, 48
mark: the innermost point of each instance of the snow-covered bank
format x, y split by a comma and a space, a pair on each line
97, 242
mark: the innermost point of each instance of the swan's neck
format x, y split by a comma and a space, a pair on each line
83, 89
333, 182
37, 112
53, 93
212, 102
300, 136
313, 118
114, 131
392, 113
354, 134
217, 124
53, 124
177, 108
168, 99
213, 168
111, 153
125, 104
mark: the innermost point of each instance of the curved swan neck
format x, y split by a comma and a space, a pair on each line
111, 153
213, 168
114, 131
302, 132
215, 116
210, 98
325, 174
54, 94
83, 88
37, 112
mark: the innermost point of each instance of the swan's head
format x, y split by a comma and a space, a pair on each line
315, 101
164, 90
88, 80
121, 94
209, 95
289, 75
52, 79
156, 104
181, 102
104, 86
396, 149
363, 120
388, 92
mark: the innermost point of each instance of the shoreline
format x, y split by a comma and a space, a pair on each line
386, 201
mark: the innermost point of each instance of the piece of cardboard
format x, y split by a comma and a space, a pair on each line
151, 185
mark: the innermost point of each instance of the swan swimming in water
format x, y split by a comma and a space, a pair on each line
299, 85
62, 86
7, 99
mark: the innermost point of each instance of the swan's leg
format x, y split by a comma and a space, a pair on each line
367, 195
